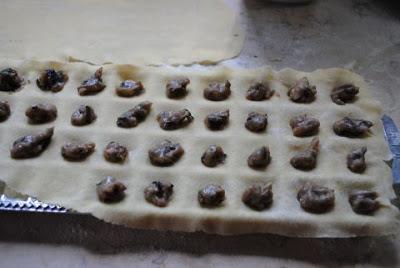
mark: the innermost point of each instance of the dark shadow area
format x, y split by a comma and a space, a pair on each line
360, 7
319, 34
103, 238
391, 7
303, 15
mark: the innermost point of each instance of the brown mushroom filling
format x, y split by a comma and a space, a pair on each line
10, 80
217, 120
115, 152
51, 80
129, 88
159, 193
77, 152
356, 160
171, 120
5, 111
84, 115
344, 94
304, 126
93, 85
217, 91
256, 122
213, 156
351, 128
364, 202
307, 159
260, 158
259, 92
41, 113
176, 88
110, 190
31, 145
211, 196
302, 91
166, 153
258, 197
134, 116
316, 199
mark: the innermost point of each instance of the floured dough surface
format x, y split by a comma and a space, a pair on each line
52, 179
100, 31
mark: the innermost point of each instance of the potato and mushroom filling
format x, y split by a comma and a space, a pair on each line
110, 190
302, 91
364, 201
304, 126
129, 88
352, 128
51, 80
211, 195
307, 159
5, 111
77, 151
83, 116
176, 88
41, 113
10, 81
344, 94
93, 85
217, 120
356, 160
258, 196
217, 91
260, 158
31, 145
259, 92
166, 153
115, 152
134, 116
213, 156
316, 199
159, 193
256, 122
171, 120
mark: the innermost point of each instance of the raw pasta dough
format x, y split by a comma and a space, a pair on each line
52, 179
120, 31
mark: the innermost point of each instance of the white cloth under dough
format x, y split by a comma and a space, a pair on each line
120, 31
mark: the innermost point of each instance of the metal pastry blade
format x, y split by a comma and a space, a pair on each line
30, 204
392, 136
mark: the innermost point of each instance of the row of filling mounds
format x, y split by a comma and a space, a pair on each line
302, 125
54, 80
312, 197
168, 153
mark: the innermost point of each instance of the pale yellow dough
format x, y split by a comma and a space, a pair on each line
54, 180
120, 31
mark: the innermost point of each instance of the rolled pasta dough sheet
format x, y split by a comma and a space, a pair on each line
120, 31
73, 184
